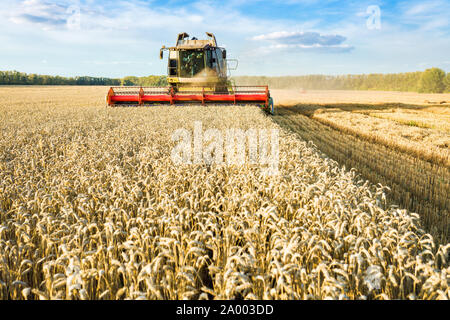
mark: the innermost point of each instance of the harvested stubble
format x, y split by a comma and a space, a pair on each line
429, 118
415, 184
92, 207
424, 143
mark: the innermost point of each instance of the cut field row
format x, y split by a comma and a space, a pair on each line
415, 184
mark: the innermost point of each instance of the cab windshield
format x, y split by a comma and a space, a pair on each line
191, 63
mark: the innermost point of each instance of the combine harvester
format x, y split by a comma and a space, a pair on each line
197, 72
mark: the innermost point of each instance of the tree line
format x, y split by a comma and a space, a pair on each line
20, 78
150, 81
432, 80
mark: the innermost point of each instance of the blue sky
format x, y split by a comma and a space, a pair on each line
293, 37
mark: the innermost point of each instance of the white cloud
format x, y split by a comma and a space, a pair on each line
343, 47
42, 13
306, 40
423, 8
427, 16
195, 18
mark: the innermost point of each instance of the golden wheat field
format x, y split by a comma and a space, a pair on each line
92, 207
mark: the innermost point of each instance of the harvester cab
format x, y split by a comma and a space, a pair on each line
197, 71
196, 63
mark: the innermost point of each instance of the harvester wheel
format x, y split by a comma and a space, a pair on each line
271, 107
